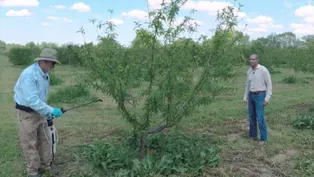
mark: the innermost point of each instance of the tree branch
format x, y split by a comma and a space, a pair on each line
157, 129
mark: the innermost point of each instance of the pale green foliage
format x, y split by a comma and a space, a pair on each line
143, 39
2, 46
153, 82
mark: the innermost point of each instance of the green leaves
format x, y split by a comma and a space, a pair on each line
304, 122
174, 154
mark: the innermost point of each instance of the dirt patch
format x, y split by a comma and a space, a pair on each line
230, 126
301, 107
248, 161
250, 171
233, 136
283, 157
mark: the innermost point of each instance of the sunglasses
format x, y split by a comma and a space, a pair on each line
52, 62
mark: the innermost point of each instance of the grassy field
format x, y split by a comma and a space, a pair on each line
289, 152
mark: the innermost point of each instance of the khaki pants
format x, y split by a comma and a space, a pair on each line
34, 141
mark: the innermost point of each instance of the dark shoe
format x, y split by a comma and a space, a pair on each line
253, 138
52, 170
42, 171
38, 175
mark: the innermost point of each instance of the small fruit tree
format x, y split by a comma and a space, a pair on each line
158, 81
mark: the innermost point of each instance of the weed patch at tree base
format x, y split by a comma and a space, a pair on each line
289, 80
170, 154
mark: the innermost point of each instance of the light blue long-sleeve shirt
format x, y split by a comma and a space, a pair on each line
31, 89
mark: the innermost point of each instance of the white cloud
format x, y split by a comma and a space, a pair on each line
260, 19
45, 24
58, 18
20, 3
241, 14
49, 11
302, 29
270, 26
116, 21
156, 4
18, 13
306, 12
211, 7
80, 7
58, 6
66, 19
309, 19
257, 30
52, 18
136, 13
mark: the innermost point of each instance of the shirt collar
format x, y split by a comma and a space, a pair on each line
258, 66
41, 72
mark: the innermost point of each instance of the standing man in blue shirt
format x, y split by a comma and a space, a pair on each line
31, 92
257, 93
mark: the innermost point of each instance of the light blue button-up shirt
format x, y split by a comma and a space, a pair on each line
31, 89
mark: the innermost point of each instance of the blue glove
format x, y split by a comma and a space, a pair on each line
57, 112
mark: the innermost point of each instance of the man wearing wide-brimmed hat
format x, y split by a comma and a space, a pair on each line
31, 91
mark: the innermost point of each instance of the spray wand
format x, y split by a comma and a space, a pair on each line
65, 110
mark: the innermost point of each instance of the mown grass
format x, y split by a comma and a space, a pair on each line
289, 151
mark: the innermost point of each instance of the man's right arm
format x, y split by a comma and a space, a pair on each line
30, 95
246, 89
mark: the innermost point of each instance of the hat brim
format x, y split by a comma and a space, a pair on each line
47, 59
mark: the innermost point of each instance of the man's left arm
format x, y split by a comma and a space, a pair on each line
269, 86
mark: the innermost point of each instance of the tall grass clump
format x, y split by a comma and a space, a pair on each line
55, 80
289, 80
71, 94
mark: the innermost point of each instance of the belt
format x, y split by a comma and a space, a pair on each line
257, 92
23, 108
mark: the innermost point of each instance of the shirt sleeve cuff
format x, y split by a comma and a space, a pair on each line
267, 99
50, 109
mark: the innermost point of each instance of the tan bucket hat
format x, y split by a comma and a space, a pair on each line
48, 54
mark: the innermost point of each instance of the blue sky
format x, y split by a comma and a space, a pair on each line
57, 21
